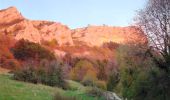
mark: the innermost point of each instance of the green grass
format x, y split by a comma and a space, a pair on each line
79, 90
16, 90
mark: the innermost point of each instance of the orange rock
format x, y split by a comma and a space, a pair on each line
12, 22
97, 35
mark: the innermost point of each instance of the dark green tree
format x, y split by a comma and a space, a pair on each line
24, 50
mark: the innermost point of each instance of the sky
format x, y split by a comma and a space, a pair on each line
78, 13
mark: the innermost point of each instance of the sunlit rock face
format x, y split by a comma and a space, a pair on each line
52, 30
80, 42
9, 16
13, 23
97, 35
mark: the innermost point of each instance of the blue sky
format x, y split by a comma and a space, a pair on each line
78, 13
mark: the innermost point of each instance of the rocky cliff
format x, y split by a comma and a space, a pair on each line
13, 23
97, 35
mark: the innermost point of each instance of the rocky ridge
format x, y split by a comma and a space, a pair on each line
12, 22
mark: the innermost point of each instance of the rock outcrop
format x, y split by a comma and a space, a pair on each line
97, 35
10, 16
13, 23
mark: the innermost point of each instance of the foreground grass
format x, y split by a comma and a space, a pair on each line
15, 90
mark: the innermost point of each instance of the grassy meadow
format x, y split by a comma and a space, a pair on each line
15, 90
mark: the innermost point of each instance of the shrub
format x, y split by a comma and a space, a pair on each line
26, 74
140, 79
113, 80
102, 72
110, 45
101, 84
24, 50
51, 74
89, 79
12, 64
96, 92
52, 44
55, 75
6, 57
80, 70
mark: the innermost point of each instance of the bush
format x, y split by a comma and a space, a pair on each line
113, 80
9, 63
140, 79
81, 69
89, 79
6, 57
102, 72
96, 92
52, 44
101, 84
26, 74
51, 74
55, 75
58, 96
24, 50
110, 45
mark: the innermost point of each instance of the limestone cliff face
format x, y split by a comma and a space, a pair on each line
9, 16
97, 35
52, 30
12, 22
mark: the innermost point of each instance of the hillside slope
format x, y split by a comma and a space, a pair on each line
15, 90
80, 42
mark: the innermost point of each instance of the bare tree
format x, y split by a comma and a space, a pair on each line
154, 19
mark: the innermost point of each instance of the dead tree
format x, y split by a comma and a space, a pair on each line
154, 19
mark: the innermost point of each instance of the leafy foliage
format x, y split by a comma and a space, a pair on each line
139, 78
112, 81
81, 69
102, 70
90, 78
6, 57
51, 74
111, 45
24, 50
96, 92
101, 85
52, 44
